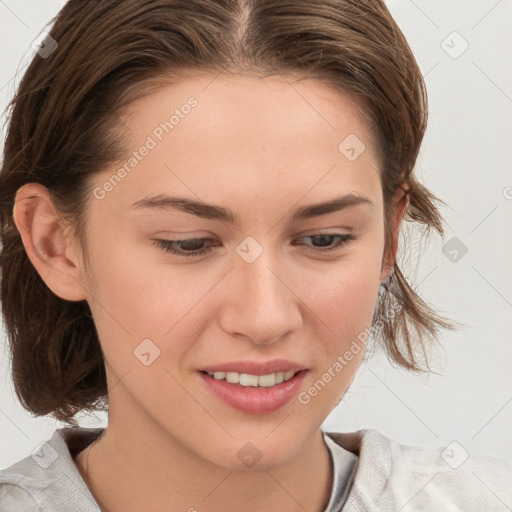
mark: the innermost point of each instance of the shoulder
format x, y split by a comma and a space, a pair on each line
25, 483
14, 496
395, 476
47, 479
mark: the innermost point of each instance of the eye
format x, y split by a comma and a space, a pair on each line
326, 241
188, 247
196, 246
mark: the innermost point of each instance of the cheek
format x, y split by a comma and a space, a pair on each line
133, 301
127, 288
122, 298
343, 303
344, 296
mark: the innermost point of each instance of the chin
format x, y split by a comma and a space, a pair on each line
257, 452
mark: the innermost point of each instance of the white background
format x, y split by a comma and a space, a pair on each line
466, 161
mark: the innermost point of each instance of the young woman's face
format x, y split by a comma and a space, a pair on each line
262, 288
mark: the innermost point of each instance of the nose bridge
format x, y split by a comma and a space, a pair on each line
264, 308
262, 286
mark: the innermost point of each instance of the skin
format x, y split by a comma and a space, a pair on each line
262, 148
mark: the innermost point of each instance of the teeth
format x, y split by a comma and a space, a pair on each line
266, 380
249, 380
233, 377
288, 375
246, 379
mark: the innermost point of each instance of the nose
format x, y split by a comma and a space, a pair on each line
260, 303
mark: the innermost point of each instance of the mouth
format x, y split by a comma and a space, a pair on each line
253, 394
251, 380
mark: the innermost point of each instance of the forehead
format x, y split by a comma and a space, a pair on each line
217, 137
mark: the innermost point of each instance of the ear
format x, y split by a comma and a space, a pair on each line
400, 203
43, 233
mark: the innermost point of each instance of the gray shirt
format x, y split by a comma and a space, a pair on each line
371, 473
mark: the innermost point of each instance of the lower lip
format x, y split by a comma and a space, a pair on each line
254, 400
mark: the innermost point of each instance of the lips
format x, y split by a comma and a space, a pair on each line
247, 379
255, 367
251, 399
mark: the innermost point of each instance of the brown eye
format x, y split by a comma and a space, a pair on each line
325, 241
188, 247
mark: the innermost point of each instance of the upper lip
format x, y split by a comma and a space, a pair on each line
255, 367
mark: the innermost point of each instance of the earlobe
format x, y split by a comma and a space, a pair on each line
42, 232
401, 203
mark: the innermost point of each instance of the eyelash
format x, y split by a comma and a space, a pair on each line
168, 245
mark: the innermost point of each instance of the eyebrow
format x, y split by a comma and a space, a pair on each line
210, 211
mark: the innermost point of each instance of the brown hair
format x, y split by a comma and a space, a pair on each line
64, 127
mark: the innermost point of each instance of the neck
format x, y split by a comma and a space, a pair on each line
118, 465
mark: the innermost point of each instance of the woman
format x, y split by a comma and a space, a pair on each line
202, 203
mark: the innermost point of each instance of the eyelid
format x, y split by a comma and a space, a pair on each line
342, 239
